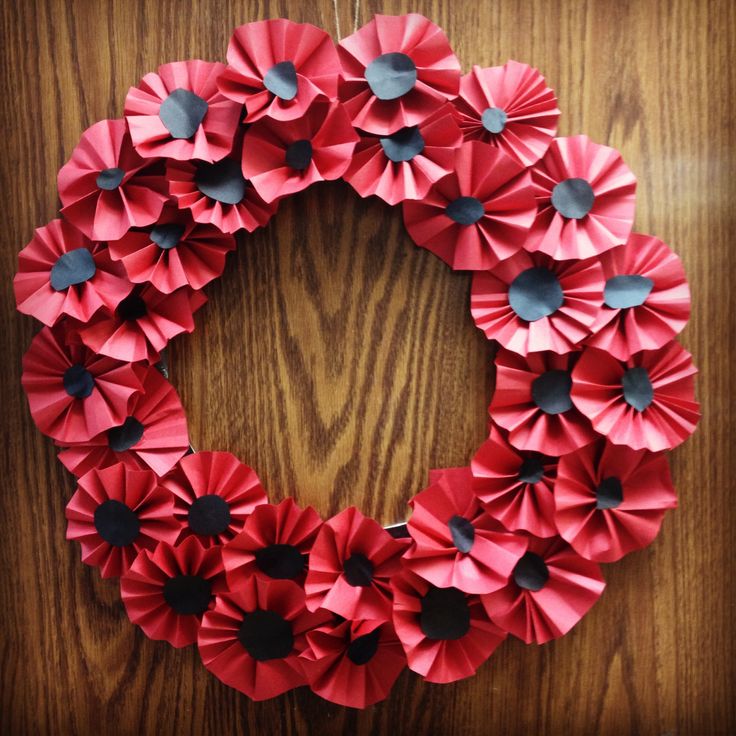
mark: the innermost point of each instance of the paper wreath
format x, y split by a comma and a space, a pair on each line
591, 387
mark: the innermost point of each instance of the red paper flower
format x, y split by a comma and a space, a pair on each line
477, 216
532, 401
353, 663
445, 633
105, 187
179, 113
61, 272
281, 158
117, 512
508, 106
611, 500
531, 302
405, 164
456, 544
646, 301
350, 566
252, 638
167, 591
277, 68
646, 402
214, 495
174, 252
153, 435
396, 71
515, 487
275, 544
551, 589
585, 196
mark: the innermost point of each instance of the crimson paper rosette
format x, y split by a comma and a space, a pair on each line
446, 633
252, 638
550, 590
508, 106
353, 663
277, 68
531, 302
115, 513
396, 71
281, 158
585, 195
214, 494
62, 272
514, 486
105, 187
646, 402
179, 113
646, 300
350, 567
405, 164
456, 543
611, 500
532, 402
167, 591
478, 215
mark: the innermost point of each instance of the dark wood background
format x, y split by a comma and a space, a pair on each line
342, 362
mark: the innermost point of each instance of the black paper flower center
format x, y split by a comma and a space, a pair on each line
462, 533
122, 438
573, 198
445, 614
209, 515
117, 524
358, 570
168, 235
624, 292
494, 120
266, 635
531, 572
78, 381
222, 181
299, 155
551, 392
72, 268
465, 210
403, 145
609, 494
532, 469
363, 649
281, 561
110, 179
132, 308
182, 112
535, 293
280, 80
188, 595
391, 76
638, 389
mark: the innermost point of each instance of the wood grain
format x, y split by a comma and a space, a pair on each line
342, 363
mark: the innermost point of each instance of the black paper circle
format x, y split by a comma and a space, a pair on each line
363, 649
573, 198
281, 561
299, 155
462, 532
280, 80
638, 390
122, 438
182, 112
532, 469
78, 381
494, 120
445, 614
109, 179
465, 210
531, 572
188, 595
551, 392
222, 181
209, 515
609, 494
116, 523
391, 76
168, 235
403, 145
72, 268
132, 308
624, 292
535, 293
266, 635
358, 570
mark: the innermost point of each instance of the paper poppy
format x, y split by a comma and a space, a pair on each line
396, 71
153, 435
115, 513
514, 486
174, 252
478, 215
214, 493
252, 638
585, 197
179, 113
168, 590
532, 402
531, 302
446, 633
405, 164
275, 543
350, 567
610, 500
456, 543
106, 187
646, 299
353, 663
550, 590
277, 68
508, 106
646, 402
62, 272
